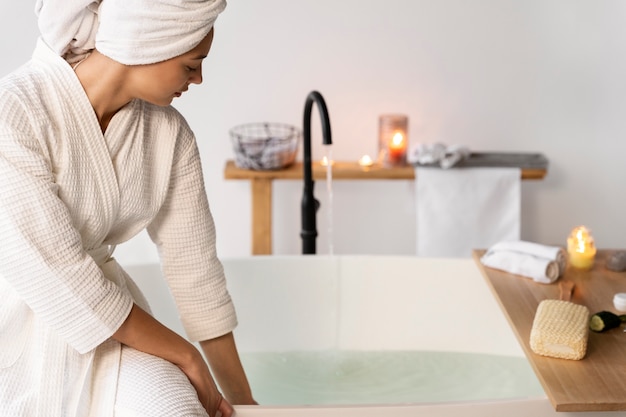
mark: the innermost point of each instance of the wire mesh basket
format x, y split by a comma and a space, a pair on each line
265, 146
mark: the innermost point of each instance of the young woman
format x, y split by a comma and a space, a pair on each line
91, 153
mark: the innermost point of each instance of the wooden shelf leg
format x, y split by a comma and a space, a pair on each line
261, 216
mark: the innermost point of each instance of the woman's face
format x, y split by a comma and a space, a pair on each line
159, 83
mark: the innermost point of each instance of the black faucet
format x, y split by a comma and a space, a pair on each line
309, 204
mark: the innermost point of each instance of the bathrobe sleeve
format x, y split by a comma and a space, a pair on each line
41, 255
185, 235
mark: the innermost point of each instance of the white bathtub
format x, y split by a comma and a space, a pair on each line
364, 303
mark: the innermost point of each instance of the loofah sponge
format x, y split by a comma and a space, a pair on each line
560, 330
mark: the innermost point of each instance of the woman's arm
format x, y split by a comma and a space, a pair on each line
222, 355
185, 235
143, 332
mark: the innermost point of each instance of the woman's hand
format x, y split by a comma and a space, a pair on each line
200, 377
222, 355
143, 332
223, 407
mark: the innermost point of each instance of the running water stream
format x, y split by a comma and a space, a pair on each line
329, 192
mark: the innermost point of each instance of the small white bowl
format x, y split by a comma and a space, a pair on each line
619, 301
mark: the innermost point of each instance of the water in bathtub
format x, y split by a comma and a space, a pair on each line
337, 377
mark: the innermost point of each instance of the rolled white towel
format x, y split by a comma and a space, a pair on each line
552, 253
438, 153
454, 155
425, 154
541, 270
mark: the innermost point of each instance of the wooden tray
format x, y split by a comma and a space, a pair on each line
598, 381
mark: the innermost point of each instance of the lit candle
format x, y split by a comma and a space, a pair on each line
397, 148
366, 161
581, 248
393, 139
325, 162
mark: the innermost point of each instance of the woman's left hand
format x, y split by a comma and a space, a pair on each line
200, 377
224, 409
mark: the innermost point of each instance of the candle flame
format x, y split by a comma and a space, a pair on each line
582, 241
325, 161
398, 139
366, 161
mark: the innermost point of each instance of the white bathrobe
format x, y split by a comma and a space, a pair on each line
69, 194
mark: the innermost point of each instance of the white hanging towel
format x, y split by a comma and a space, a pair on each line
461, 209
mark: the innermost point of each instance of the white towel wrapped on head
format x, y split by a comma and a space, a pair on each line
132, 32
542, 263
137, 32
68, 26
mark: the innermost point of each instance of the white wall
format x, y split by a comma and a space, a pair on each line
494, 75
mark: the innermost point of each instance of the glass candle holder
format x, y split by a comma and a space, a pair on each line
393, 139
581, 249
